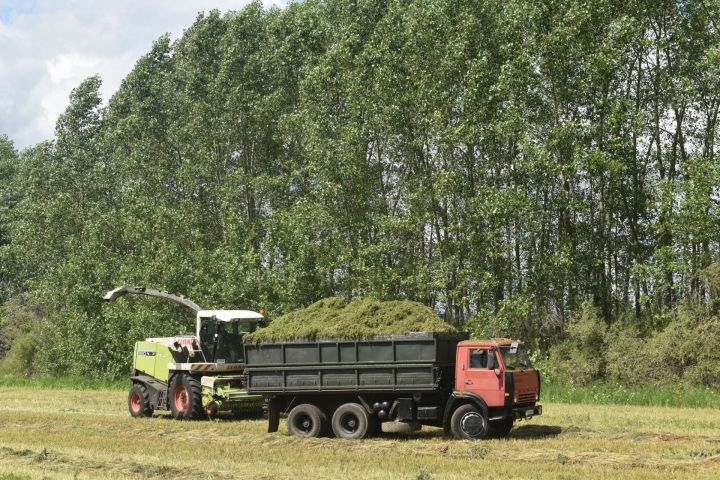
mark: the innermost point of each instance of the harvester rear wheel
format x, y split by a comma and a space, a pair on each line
307, 420
185, 398
139, 401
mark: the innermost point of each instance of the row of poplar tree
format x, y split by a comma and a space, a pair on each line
502, 162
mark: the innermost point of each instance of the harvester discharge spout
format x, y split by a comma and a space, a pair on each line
113, 295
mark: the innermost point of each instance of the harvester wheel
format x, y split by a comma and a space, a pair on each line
351, 421
469, 423
139, 401
185, 398
307, 420
501, 428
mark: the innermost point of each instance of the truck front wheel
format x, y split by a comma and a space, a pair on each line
469, 423
139, 401
307, 421
351, 421
185, 398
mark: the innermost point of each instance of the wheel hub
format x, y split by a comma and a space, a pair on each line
181, 399
350, 423
472, 424
135, 402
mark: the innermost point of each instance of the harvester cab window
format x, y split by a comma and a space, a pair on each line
478, 358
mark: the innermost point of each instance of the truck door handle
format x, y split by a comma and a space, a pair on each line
468, 382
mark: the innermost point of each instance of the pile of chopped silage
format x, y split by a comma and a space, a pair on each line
361, 318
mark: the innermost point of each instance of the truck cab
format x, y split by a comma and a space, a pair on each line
495, 378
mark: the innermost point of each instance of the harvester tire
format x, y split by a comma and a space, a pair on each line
351, 421
469, 423
185, 398
501, 428
307, 420
139, 401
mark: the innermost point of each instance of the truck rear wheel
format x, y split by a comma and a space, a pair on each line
185, 398
139, 401
307, 420
351, 421
469, 423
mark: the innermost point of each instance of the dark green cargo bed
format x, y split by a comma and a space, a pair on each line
417, 362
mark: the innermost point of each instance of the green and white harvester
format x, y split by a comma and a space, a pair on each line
194, 376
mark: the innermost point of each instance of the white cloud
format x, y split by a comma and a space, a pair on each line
47, 47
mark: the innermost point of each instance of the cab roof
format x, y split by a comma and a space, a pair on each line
493, 342
230, 315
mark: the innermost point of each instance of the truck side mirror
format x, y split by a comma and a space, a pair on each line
497, 371
491, 360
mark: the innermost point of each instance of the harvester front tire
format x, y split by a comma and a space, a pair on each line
185, 398
139, 401
351, 421
469, 423
307, 421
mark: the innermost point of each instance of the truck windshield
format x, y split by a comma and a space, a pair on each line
515, 358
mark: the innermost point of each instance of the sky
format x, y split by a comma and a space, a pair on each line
47, 47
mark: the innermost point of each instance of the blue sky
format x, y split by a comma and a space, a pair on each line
47, 47
8, 9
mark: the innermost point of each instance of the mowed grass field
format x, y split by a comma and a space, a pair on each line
89, 434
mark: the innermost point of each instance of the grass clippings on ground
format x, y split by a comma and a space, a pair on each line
67, 434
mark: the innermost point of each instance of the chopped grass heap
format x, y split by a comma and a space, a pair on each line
362, 318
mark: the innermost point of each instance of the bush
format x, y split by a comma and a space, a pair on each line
21, 328
580, 358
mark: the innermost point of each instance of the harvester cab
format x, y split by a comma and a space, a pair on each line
194, 376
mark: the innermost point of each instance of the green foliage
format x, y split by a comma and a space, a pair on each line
22, 329
361, 318
580, 358
498, 162
645, 395
63, 383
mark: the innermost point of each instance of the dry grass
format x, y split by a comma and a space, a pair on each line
88, 434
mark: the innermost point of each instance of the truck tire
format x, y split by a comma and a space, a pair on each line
469, 423
501, 428
307, 420
185, 398
351, 421
401, 427
139, 401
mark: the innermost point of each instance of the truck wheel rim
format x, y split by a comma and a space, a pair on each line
181, 399
349, 423
135, 402
472, 424
304, 423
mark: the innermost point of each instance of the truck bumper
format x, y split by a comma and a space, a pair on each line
520, 413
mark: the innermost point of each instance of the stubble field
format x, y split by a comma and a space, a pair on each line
88, 434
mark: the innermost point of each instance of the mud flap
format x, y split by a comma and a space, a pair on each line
273, 417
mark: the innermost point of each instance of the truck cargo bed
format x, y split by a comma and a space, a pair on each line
412, 362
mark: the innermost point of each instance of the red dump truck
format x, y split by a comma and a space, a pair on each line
353, 388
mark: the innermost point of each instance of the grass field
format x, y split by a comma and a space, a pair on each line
64, 433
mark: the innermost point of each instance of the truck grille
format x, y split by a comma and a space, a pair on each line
526, 397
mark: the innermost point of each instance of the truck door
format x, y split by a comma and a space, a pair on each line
477, 375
